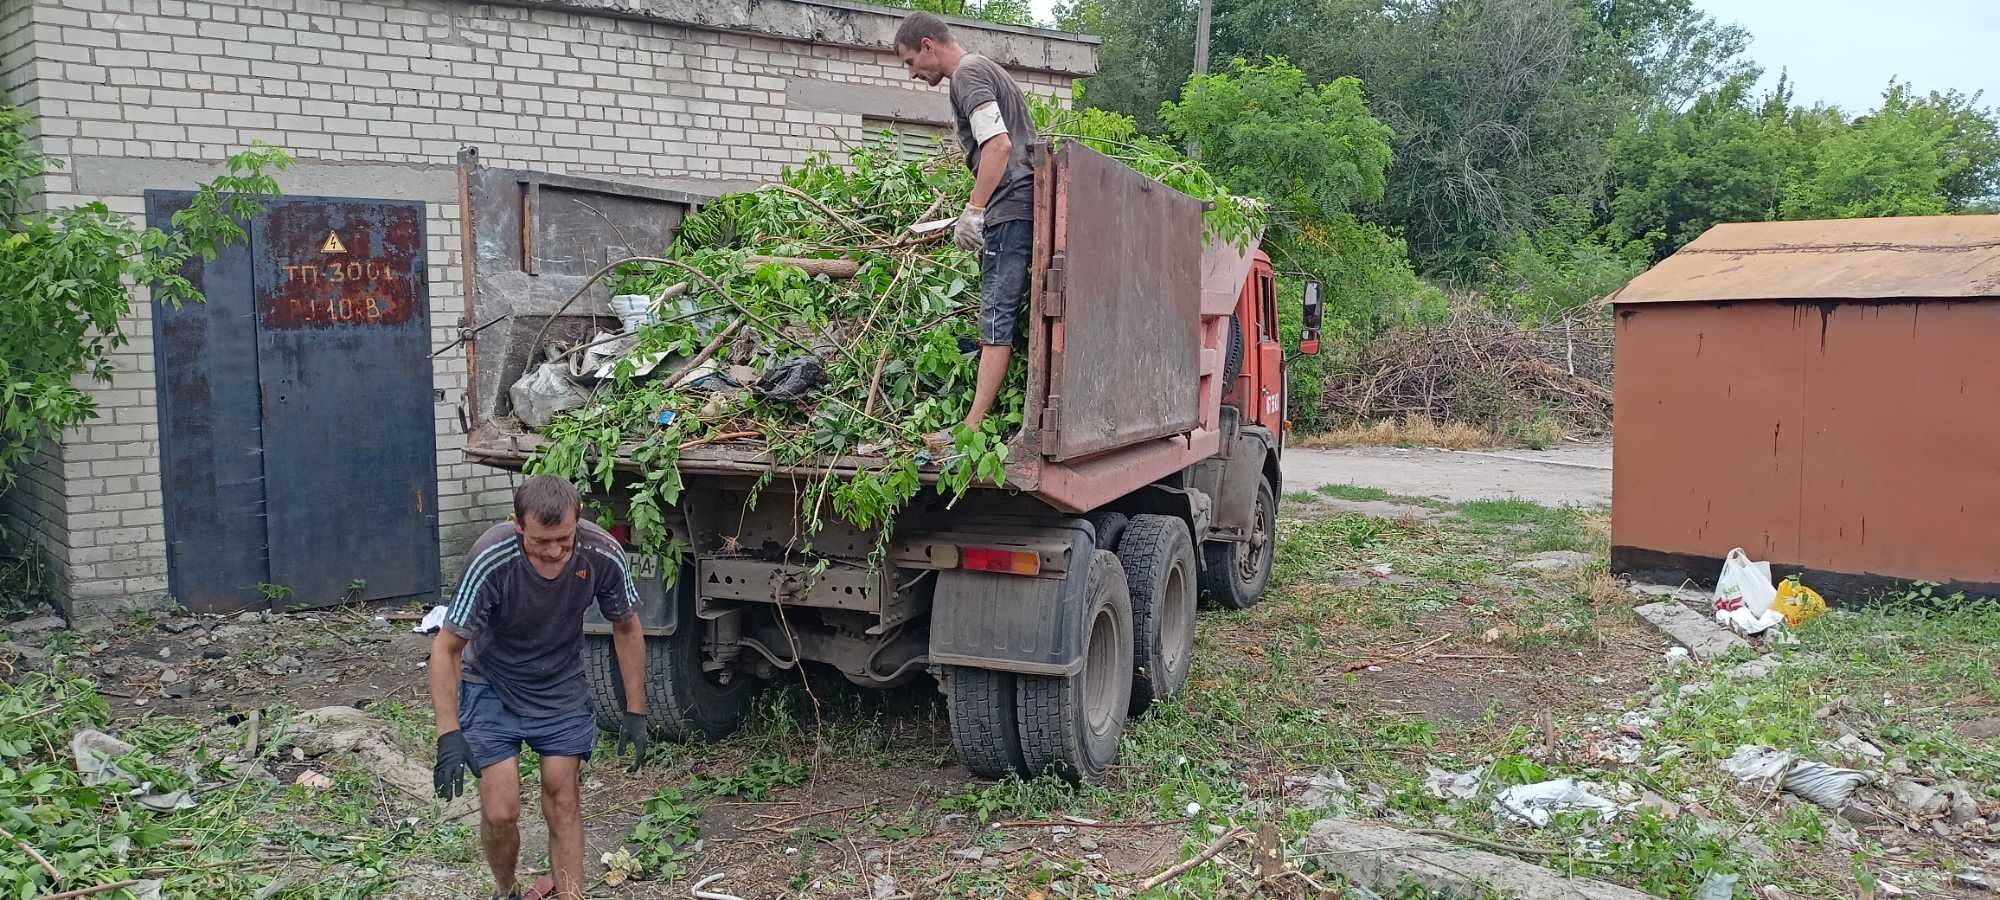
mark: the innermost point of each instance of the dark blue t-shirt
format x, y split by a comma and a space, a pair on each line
526, 631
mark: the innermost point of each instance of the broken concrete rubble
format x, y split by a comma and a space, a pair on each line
1699, 634
1385, 858
344, 729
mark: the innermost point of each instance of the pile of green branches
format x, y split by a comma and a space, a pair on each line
893, 337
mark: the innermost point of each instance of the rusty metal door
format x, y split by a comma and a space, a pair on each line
1124, 290
344, 376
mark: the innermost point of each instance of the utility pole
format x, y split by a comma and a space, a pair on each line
1201, 39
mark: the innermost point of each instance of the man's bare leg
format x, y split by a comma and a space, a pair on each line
993, 361
563, 811
499, 820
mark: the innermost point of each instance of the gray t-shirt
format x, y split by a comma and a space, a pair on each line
527, 631
980, 81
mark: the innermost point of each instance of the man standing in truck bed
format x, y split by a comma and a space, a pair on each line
520, 608
996, 132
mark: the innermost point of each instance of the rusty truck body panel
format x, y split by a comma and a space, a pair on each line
1820, 394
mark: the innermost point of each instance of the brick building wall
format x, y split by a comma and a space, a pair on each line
374, 98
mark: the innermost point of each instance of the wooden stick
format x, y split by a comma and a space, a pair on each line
812, 815
1068, 824
85, 892
718, 438
55, 877
1229, 837
831, 268
1400, 657
714, 344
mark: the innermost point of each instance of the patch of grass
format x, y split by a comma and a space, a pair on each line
1538, 528
1352, 492
1411, 432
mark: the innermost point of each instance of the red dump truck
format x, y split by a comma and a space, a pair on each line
1146, 475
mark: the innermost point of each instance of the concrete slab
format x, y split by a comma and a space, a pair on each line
1698, 633
1572, 475
1384, 858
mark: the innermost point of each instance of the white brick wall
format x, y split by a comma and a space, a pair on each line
137, 83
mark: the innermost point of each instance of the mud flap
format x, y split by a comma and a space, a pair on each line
1014, 623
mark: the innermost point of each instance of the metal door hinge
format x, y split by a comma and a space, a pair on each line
1051, 420
1053, 288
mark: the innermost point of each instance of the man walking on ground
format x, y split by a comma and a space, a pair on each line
519, 608
996, 133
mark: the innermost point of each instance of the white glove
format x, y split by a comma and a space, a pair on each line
970, 232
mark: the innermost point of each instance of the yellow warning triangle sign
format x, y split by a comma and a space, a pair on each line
333, 244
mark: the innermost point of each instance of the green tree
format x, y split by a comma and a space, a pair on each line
1910, 157
1004, 12
1313, 153
1723, 160
65, 274
1148, 52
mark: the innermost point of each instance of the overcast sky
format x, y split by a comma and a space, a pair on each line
1845, 51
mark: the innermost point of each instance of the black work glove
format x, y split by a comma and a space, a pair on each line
454, 759
633, 733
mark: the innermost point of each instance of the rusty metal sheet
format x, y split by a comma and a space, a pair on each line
1851, 441
349, 422
533, 239
1125, 351
1925, 257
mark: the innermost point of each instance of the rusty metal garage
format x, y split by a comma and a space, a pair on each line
1825, 395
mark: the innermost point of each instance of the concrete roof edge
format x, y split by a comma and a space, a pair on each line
847, 24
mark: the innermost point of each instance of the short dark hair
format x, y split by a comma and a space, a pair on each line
919, 25
548, 498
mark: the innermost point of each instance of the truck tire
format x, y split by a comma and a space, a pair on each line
1109, 526
683, 703
984, 724
1158, 556
1070, 725
1235, 573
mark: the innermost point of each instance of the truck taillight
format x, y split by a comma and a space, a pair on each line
620, 532
1005, 562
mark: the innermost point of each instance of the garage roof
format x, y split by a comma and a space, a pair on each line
1920, 257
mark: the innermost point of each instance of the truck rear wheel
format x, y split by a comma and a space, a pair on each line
1071, 724
683, 703
1158, 556
1235, 573
984, 724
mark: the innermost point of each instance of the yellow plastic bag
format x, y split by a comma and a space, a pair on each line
1797, 602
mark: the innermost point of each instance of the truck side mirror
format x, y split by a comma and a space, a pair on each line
1312, 314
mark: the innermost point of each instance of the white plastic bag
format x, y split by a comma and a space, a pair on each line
542, 393
1764, 767
1745, 585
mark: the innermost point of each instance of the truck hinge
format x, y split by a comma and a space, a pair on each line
1051, 420
1053, 288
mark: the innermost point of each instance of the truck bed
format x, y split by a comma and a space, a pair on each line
1126, 322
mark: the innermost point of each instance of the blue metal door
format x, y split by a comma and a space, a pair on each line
344, 370
296, 420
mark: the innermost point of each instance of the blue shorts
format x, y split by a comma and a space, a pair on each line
496, 735
1003, 281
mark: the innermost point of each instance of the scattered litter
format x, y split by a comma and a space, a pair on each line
542, 393
312, 781
432, 621
970, 854
700, 891
1382, 570
1964, 808
885, 886
1193, 809
1852, 746
214, 653
1749, 624
1828, 786
344, 729
97, 755
1320, 789
1744, 585
1974, 880
1448, 786
1535, 804
634, 310
792, 380
1797, 603
1677, 655
1717, 886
